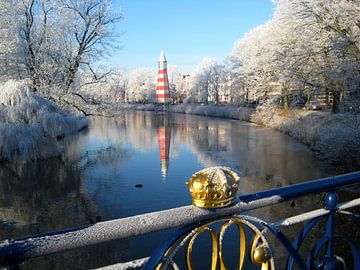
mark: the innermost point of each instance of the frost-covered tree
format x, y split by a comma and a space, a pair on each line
119, 85
308, 48
337, 45
173, 76
182, 88
9, 66
233, 87
51, 41
179, 84
104, 87
90, 25
216, 83
205, 81
142, 85
30, 126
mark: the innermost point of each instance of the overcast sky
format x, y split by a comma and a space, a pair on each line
187, 30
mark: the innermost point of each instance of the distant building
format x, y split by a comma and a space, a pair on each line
322, 100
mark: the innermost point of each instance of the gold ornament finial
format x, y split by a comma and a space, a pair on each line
213, 187
261, 254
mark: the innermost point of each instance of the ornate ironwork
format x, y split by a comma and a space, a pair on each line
260, 251
321, 256
208, 188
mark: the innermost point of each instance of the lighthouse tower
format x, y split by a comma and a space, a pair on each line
162, 89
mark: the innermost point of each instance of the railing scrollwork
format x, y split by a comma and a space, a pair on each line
260, 251
218, 214
210, 181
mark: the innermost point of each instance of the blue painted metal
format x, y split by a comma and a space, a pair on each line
289, 247
353, 217
331, 200
323, 263
311, 187
17, 251
328, 262
157, 255
300, 238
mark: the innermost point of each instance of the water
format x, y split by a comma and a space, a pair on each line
97, 177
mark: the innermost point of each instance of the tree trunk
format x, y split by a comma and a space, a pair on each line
335, 101
286, 99
72, 70
308, 99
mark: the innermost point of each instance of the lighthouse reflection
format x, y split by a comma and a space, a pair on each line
164, 138
101, 166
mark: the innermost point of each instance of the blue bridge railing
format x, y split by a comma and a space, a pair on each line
191, 221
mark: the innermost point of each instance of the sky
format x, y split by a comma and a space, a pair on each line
187, 30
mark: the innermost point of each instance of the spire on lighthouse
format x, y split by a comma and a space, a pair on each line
162, 89
162, 57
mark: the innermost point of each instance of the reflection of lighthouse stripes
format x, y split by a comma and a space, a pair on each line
163, 89
164, 135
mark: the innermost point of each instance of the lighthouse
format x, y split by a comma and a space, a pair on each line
162, 89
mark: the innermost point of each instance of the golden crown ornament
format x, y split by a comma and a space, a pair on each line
213, 187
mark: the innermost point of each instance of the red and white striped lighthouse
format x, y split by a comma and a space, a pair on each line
162, 89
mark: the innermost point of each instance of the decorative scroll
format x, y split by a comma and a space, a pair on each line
215, 187
253, 230
258, 247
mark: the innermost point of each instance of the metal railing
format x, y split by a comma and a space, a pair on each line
14, 252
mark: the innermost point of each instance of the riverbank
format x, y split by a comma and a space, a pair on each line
332, 137
31, 126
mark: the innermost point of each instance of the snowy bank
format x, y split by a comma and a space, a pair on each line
30, 125
229, 111
334, 137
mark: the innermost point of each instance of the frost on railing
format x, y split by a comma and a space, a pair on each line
212, 188
254, 247
218, 211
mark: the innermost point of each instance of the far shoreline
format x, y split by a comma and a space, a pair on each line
331, 137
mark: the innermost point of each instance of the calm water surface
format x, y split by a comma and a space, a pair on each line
97, 177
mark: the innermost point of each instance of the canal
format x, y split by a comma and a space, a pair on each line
139, 163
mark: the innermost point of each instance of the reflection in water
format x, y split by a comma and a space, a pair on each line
39, 196
97, 175
164, 135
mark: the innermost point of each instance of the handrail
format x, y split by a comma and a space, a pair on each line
310, 187
19, 250
304, 217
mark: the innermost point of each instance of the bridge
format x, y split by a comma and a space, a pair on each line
217, 207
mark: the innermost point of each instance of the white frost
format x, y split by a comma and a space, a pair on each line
31, 125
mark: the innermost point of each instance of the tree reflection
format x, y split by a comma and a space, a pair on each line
48, 195
95, 177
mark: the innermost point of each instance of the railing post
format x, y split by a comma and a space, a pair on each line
215, 189
330, 261
331, 202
